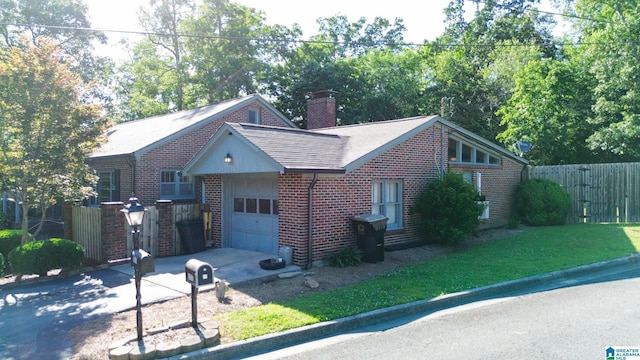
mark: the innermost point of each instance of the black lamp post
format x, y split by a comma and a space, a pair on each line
134, 212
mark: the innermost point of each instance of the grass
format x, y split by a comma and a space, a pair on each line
537, 251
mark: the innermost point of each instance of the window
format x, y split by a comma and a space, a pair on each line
465, 153
386, 199
174, 185
255, 206
254, 116
108, 187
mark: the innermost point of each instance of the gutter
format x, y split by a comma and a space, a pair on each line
310, 221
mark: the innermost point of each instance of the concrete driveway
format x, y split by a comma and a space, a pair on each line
35, 318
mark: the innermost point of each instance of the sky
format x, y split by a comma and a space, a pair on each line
423, 19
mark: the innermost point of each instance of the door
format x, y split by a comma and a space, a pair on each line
254, 213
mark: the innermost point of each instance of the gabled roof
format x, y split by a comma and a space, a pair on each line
139, 136
335, 150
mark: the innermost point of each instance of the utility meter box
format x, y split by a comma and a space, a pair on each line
198, 272
143, 261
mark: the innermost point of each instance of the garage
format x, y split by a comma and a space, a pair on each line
253, 206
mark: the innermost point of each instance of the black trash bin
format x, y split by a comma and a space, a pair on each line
370, 229
191, 235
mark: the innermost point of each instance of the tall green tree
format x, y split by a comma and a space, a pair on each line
57, 20
463, 58
610, 32
46, 129
549, 107
163, 20
358, 61
225, 51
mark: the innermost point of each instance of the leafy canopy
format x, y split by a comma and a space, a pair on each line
46, 128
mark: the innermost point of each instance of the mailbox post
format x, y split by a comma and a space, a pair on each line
197, 273
141, 261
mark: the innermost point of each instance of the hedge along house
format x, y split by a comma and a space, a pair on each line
145, 156
270, 187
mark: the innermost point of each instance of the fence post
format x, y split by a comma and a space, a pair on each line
165, 227
113, 231
67, 220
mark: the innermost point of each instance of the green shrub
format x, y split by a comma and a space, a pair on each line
542, 202
349, 256
447, 211
1, 265
38, 257
9, 240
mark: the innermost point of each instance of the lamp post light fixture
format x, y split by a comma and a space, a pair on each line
141, 261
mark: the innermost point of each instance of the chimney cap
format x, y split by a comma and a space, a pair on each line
321, 94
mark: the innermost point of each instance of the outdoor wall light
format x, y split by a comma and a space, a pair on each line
228, 159
141, 261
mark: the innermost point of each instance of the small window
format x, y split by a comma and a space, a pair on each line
254, 116
238, 205
252, 206
265, 206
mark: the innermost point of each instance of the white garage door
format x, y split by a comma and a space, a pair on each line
254, 219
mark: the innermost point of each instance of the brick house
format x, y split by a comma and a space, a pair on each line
274, 186
146, 156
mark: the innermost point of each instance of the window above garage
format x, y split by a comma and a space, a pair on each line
462, 152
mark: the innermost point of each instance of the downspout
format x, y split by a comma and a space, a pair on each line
133, 175
310, 221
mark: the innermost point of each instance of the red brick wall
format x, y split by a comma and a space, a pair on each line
336, 199
499, 185
173, 155
213, 198
113, 228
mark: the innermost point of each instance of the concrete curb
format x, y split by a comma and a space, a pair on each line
292, 337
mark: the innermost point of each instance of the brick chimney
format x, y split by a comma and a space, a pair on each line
321, 110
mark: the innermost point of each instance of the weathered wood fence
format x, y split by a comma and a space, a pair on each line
87, 229
599, 192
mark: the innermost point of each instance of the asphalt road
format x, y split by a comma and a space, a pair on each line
35, 319
577, 318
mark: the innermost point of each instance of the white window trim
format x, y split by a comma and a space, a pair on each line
383, 205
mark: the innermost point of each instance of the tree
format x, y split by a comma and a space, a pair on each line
163, 20
548, 108
611, 31
463, 59
57, 20
45, 128
374, 77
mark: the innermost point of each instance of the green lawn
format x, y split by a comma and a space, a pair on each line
537, 251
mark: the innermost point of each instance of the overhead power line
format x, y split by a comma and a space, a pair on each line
300, 41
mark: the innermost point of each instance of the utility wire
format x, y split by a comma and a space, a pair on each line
345, 43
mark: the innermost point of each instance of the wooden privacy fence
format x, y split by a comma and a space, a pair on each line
599, 192
87, 229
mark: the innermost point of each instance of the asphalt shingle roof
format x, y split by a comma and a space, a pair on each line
132, 136
331, 148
